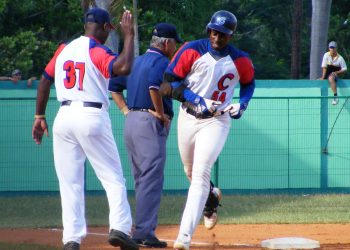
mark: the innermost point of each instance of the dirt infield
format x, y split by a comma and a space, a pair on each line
330, 236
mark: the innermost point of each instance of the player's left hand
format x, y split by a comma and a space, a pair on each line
38, 130
127, 23
235, 110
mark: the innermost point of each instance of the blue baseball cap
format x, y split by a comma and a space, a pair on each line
166, 30
98, 15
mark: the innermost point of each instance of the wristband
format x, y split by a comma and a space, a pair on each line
39, 116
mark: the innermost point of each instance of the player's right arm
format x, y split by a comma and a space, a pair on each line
178, 69
40, 125
109, 63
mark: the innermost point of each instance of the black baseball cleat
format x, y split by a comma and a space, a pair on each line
210, 209
122, 240
71, 245
151, 243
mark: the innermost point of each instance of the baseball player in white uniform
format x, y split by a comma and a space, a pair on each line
203, 75
82, 128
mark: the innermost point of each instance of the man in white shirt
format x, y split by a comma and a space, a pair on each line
333, 65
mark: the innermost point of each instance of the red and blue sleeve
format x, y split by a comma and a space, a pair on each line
49, 72
103, 58
182, 62
245, 70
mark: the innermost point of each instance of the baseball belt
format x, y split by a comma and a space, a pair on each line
85, 104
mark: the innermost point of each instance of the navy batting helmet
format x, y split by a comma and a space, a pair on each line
223, 21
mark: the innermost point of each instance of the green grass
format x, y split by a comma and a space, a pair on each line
45, 211
25, 247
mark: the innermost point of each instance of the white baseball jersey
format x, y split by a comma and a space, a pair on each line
82, 70
210, 74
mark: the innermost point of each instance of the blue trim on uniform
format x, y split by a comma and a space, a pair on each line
95, 44
220, 53
246, 92
46, 75
201, 46
110, 67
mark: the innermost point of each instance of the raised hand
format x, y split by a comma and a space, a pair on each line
127, 24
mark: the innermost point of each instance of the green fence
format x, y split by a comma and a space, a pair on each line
291, 137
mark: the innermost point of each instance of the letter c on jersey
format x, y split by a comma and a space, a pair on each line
221, 85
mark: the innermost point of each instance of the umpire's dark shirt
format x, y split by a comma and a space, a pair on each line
147, 73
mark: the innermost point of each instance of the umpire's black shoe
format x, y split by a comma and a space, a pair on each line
151, 243
120, 239
71, 245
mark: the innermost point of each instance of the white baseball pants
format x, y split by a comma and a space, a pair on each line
200, 143
80, 132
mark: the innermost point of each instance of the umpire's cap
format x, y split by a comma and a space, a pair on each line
166, 30
223, 21
98, 15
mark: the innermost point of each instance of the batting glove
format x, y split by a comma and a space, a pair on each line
204, 105
208, 106
236, 110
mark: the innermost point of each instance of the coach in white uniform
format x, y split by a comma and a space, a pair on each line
82, 127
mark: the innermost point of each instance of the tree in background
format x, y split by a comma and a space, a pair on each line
296, 39
30, 30
339, 30
319, 35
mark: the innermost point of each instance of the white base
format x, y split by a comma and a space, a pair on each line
290, 243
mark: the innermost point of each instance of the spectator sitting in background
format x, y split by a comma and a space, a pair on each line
17, 76
333, 65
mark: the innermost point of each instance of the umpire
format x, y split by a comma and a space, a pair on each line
147, 126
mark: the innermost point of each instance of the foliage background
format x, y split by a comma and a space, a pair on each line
30, 30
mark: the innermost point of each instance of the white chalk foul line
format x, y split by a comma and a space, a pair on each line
194, 243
